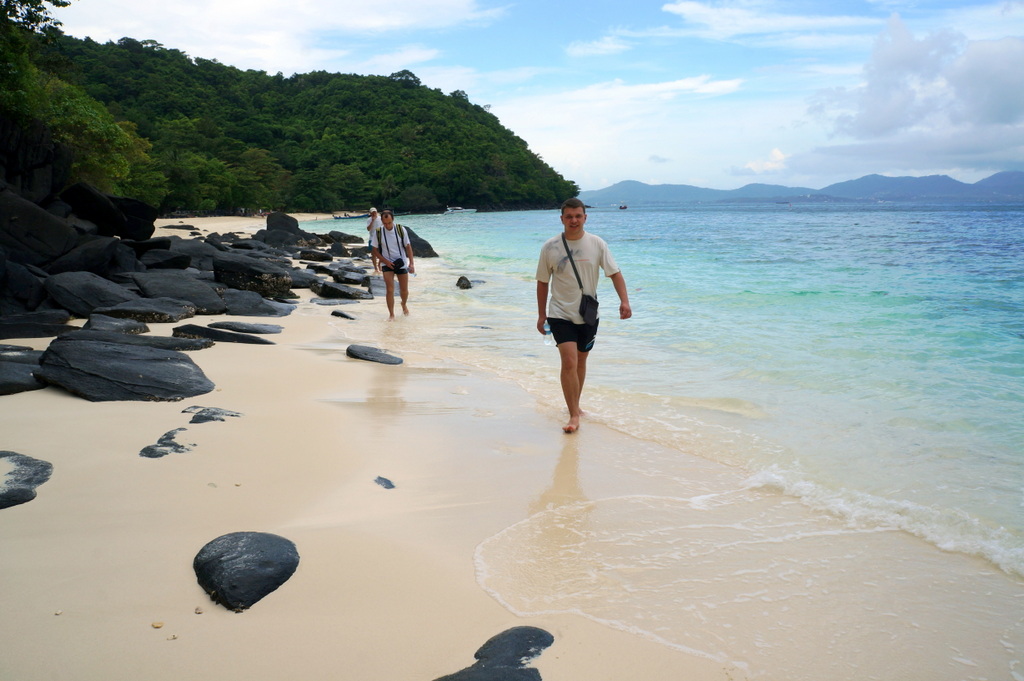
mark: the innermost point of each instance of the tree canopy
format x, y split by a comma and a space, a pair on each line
201, 135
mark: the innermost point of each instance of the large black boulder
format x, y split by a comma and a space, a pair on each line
371, 354
329, 289
38, 324
504, 656
89, 203
217, 335
252, 274
31, 235
25, 474
199, 252
21, 289
239, 569
102, 255
101, 370
252, 304
182, 285
82, 292
17, 377
140, 218
150, 310
146, 340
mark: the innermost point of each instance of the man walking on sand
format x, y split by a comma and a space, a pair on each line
392, 246
561, 313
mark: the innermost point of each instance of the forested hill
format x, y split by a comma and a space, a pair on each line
227, 139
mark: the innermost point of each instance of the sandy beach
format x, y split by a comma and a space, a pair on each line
97, 570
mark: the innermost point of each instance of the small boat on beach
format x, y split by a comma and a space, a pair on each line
454, 210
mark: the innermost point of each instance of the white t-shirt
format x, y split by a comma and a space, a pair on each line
373, 223
394, 245
590, 252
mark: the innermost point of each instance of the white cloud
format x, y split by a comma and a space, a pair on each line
775, 162
262, 34
605, 46
725, 22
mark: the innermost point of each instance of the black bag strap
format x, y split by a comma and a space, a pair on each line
572, 262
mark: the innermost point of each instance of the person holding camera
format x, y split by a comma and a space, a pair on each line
569, 267
391, 245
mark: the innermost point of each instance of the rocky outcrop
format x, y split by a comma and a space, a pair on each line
239, 569
504, 657
101, 370
371, 354
25, 475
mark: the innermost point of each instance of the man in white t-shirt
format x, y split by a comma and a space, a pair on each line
393, 248
574, 337
373, 223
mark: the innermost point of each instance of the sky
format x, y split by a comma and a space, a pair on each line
712, 94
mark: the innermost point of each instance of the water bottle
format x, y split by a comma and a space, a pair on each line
548, 338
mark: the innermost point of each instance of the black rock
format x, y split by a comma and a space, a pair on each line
19, 485
31, 235
19, 353
207, 414
371, 354
503, 657
237, 570
199, 252
328, 289
343, 315
140, 218
183, 286
303, 278
166, 445
17, 377
251, 274
40, 324
20, 289
82, 292
316, 256
102, 255
161, 342
384, 482
102, 322
247, 327
282, 221
90, 203
151, 310
464, 283
196, 331
103, 371
349, 277
252, 304
165, 260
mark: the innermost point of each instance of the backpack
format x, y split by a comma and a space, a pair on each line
401, 237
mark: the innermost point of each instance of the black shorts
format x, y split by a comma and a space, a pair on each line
400, 270
565, 331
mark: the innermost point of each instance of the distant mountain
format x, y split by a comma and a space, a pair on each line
1001, 187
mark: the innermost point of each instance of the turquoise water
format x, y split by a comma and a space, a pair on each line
865, 362
872, 357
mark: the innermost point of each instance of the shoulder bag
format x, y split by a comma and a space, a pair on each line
588, 303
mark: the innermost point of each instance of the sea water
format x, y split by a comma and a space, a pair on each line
859, 367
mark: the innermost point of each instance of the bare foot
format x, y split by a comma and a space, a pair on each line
405, 310
391, 318
572, 426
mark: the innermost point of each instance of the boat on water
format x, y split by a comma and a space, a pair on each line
350, 217
453, 210
623, 206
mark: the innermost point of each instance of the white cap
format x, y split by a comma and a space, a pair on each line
373, 210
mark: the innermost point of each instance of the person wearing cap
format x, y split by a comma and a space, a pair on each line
393, 248
373, 223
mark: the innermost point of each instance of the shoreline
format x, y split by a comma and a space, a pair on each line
386, 586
